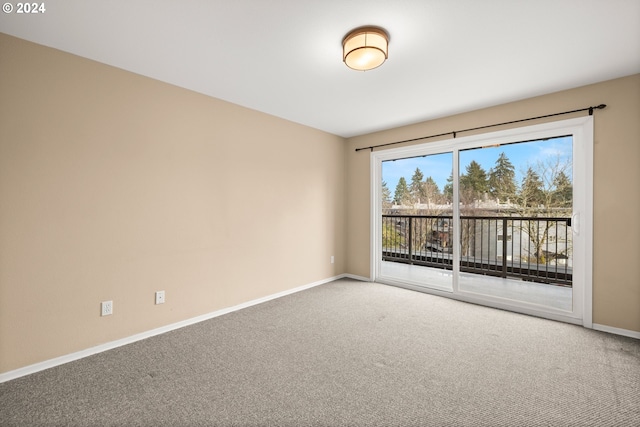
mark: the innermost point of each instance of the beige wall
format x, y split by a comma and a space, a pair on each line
113, 186
616, 287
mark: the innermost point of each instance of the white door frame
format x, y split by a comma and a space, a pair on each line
581, 130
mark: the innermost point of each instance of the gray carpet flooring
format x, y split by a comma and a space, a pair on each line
346, 353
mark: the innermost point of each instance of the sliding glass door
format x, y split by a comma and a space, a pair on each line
516, 202
497, 219
416, 219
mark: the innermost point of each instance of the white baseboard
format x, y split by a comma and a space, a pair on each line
356, 277
27, 370
617, 331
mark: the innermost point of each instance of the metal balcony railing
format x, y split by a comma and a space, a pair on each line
534, 249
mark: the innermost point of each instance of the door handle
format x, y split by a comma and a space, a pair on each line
575, 222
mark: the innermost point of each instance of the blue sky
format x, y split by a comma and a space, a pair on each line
439, 166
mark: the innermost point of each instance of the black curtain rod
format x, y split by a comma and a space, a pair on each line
454, 133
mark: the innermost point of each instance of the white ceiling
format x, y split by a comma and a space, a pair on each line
283, 57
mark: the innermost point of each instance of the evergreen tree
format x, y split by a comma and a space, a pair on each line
474, 183
447, 191
431, 190
402, 194
417, 189
386, 196
532, 193
502, 182
562, 195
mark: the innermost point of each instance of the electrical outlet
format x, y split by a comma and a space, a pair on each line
160, 297
106, 308
332, 259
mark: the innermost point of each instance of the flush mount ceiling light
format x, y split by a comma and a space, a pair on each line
365, 48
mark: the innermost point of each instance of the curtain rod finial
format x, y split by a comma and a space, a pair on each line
599, 107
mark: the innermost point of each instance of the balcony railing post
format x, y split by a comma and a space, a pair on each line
410, 240
504, 247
